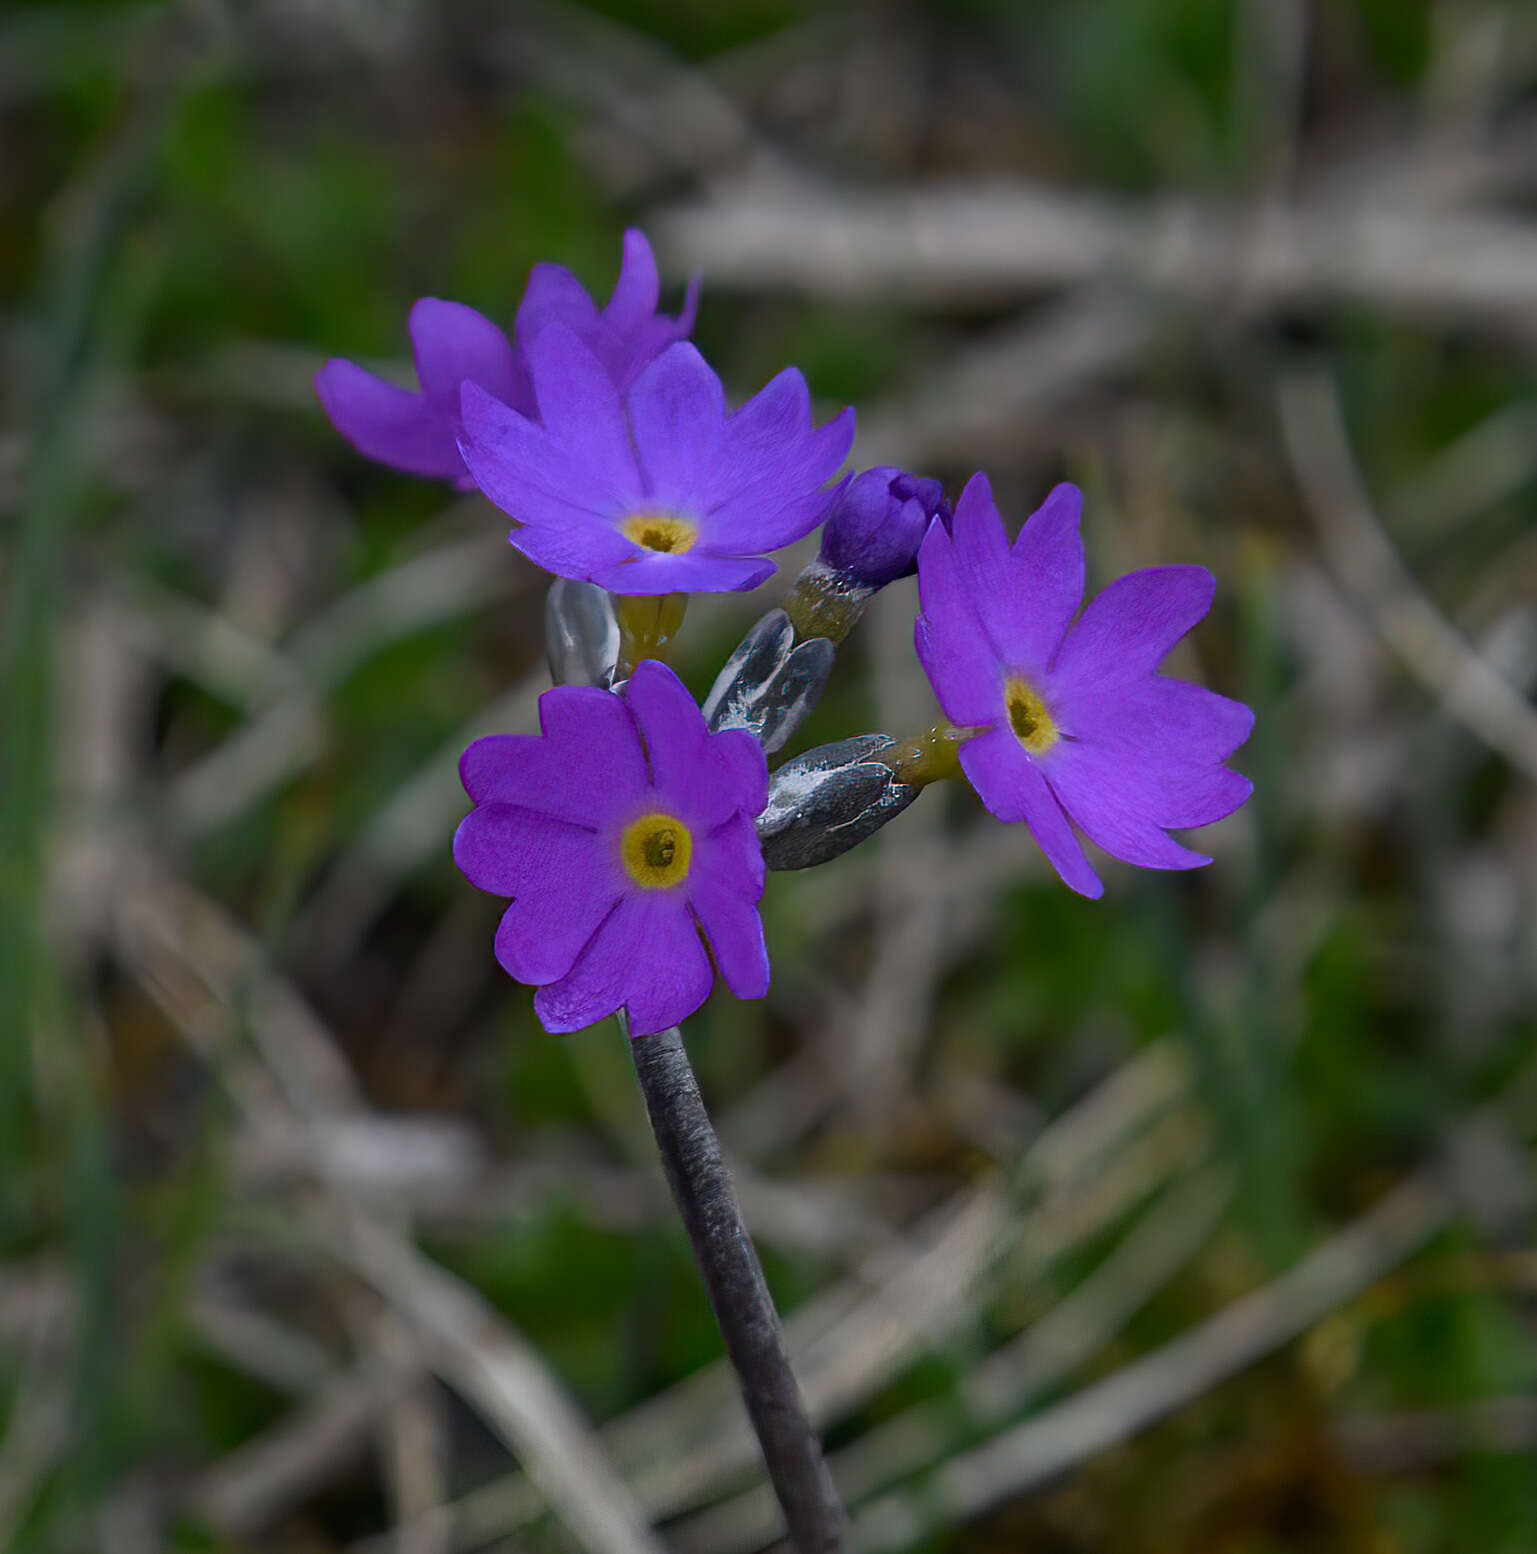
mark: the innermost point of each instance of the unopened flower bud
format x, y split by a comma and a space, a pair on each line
830, 799
771, 683
876, 525
871, 536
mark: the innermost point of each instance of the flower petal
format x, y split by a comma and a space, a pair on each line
733, 859
638, 288
1156, 714
1131, 625
563, 886
1121, 802
1202, 797
735, 934
586, 549
586, 768
761, 522
452, 342
757, 435
696, 571
672, 976
523, 470
387, 423
741, 770
581, 411
1000, 594
647, 954
561, 879
689, 774
960, 661
773, 494
596, 985
677, 413
553, 296
1045, 573
1013, 788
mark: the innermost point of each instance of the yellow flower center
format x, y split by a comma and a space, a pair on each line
661, 532
1034, 727
656, 851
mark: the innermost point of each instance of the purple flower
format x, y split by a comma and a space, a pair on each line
1076, 722
624, 834
878, 522
660, 490
452, 343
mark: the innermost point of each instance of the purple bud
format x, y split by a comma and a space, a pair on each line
878, 522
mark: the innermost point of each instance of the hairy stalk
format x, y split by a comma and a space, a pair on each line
733, 1279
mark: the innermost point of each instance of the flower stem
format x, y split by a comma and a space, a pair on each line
930, 757
647, 623
733, 1279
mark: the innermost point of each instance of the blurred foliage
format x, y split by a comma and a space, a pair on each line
200, 203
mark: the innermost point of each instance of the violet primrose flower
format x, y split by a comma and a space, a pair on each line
452, 343
624, 833
1076, 722
877, 523
659, 490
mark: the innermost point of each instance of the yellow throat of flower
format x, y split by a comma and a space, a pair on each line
660, 532
656, 850
1033, 725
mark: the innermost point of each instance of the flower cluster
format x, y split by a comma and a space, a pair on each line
1073, 720
631, 833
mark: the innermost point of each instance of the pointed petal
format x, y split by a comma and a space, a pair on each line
774, 492
452, 342
638, 288
553, 296
586, 549
982, 574
961, 669
677, 413
1158, 715
684, 323
1129, 628
1045, 583
960, 660
1118, 801
387, 423
695, 572
581, 411
525, 471
1012, 787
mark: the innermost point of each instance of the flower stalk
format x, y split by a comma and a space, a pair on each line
733, 1280
930, 757
647, 623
